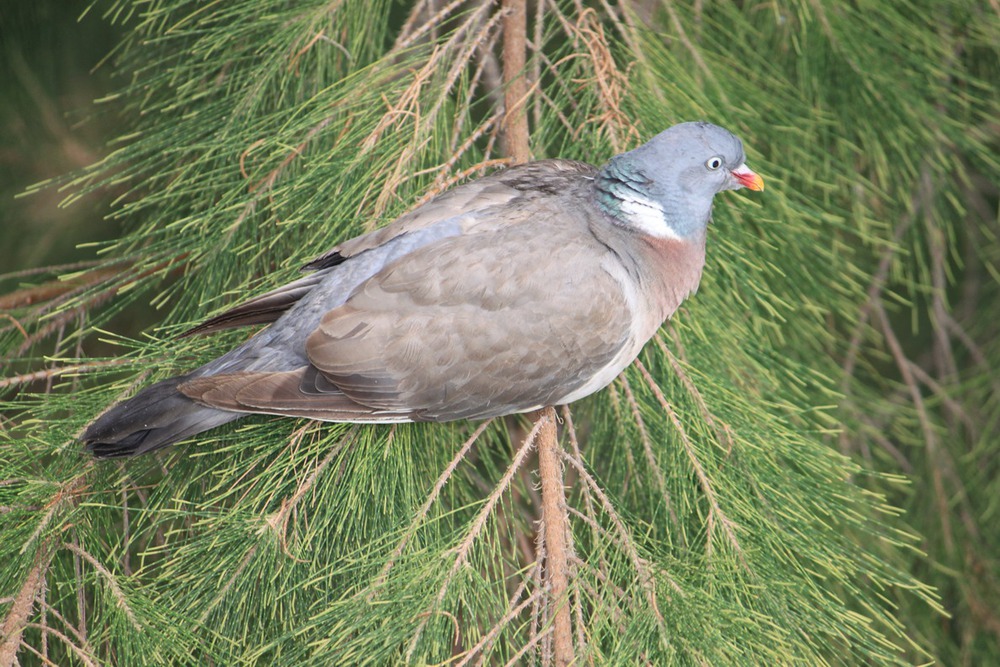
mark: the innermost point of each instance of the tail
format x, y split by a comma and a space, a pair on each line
156, 417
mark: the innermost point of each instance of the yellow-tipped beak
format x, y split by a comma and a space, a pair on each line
748, 178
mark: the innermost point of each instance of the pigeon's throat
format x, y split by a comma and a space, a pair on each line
675, 271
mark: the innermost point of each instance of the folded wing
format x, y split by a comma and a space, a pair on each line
471, 326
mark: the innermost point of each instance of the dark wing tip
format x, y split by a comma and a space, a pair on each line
234, 319
332, 258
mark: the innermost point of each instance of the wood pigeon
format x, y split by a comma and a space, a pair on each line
530, 287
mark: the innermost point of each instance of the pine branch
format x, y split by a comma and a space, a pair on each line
515, 38
556, 535
851, 306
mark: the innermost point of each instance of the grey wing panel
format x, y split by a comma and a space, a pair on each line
464, 203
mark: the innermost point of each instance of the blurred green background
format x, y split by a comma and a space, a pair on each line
50, 75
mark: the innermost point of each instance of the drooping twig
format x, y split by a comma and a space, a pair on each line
76, 650
426, 507
278, 521
930, 436
516, 658
116, 590
17, 617
716, 513
411, 32
220, 596
874, 292
50, 373
647, 447
488, 638
463, 550
641, 568
411, 105
721, 428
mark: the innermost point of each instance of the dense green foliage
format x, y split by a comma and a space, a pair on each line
800, 469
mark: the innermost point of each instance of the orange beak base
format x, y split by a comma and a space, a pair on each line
748, 178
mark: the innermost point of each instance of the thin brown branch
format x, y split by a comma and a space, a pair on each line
555, 528
408, 35
49, 609
407, 103
278, 521
647, 447
874, 292
76, 650
581, 637
81, 591
515, 45
537, 44
721, 428
49, 373
488, 638
641, 568
424, 120
604, 76
61, 304
943, 352
951, 404
539, 608
41, 654
220, 596
262, 187
473, 89
930, 436
528, 645
619, 420
533, 579
55, 269
293, 64
609, 81
17, 325
602, 576
588, 500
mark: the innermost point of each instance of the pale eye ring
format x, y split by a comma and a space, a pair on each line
714, 163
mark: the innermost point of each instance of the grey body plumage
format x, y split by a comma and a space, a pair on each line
530, 287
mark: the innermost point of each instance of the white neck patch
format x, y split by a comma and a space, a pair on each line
647, 216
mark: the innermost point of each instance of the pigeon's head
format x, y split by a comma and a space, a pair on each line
665, 187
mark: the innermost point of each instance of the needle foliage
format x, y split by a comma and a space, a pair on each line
799, 469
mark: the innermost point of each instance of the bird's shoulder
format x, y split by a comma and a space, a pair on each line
502, 198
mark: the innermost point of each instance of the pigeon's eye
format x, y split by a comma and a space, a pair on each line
714, 163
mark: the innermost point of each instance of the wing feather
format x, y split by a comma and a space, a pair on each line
284, 393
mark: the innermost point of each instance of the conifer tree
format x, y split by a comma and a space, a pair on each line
799, 468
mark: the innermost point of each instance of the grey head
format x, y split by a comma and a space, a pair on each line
665, 187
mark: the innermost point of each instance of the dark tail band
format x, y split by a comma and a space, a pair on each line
156, 417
